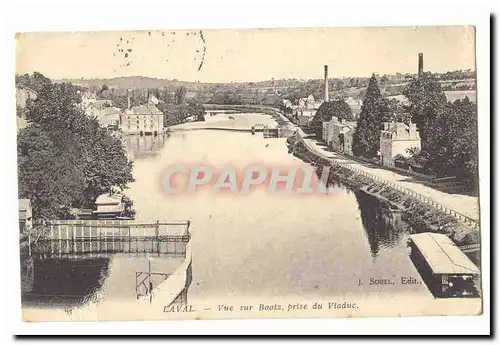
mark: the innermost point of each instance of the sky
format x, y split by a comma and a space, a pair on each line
245, 55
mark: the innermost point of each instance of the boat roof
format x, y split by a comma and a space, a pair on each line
24, 204
442, 255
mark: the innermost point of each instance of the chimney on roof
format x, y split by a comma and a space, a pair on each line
420, 63
326, 83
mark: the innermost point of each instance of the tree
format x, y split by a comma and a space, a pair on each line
327, 110
464, 141
36, 81
180, 95
374, 111
426, 99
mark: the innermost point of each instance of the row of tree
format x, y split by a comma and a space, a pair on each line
174, 114
176, 107
65, 159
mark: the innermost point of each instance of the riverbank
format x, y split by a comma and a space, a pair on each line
417, 212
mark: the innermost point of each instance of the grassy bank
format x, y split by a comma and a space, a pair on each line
416, 212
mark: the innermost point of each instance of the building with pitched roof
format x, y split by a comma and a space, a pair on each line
109, 117
23, 94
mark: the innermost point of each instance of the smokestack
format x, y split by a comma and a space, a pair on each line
128, 99
420, 63
326, 83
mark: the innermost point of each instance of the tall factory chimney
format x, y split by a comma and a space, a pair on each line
326, 84
128, 99
420, 63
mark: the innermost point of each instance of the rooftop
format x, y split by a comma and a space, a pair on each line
111, 110
107, 199
24, 204
394, 126
27, 89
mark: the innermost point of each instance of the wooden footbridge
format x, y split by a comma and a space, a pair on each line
101, 238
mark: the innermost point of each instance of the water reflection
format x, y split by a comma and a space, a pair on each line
144, 146
73, 281
383, 225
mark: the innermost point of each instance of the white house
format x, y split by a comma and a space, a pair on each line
23, 94
109, 205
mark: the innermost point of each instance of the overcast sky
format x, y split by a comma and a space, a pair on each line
245, 55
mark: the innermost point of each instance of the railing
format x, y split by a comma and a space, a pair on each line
461, 217
470, 248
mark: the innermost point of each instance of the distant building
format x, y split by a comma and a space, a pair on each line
23, 94
25, 215
355, 105
97, 108
142, 119
308, 103
109, 117
395, 139
337, 134
87, 98
400, 98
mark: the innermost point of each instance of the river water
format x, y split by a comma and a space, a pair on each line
263, 245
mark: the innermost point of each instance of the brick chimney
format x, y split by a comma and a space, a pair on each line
420, 63
326, 84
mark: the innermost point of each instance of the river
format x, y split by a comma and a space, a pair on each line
263, 245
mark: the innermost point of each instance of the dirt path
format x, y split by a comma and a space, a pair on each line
467, 205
